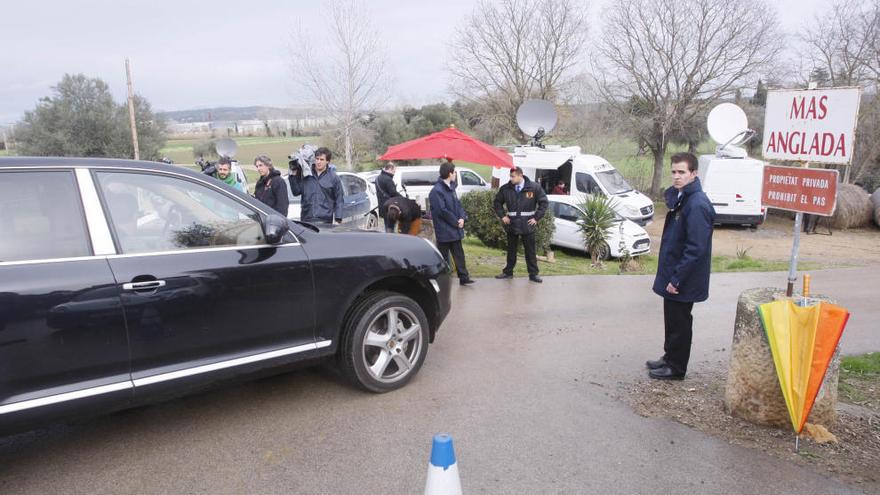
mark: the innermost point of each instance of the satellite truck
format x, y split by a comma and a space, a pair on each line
581, 174
732, 181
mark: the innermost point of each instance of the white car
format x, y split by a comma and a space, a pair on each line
567, 214
415, 182
359, 202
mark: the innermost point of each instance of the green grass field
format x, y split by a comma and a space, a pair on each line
181, 150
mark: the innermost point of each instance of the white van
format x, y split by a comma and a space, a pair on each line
734, 186
582, 175
416, 181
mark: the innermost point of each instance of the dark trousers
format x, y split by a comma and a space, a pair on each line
679, 331
528, 241
457, 256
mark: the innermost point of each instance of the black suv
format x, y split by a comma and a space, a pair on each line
123, 282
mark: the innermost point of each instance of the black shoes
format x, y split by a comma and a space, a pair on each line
653, 365
665, 373
504, 276
536, 279
467, 281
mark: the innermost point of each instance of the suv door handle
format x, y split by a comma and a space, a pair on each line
137, 286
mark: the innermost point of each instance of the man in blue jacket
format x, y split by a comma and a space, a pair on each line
449, 217
683, 265
320, 187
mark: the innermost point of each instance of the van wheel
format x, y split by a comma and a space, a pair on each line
384, 343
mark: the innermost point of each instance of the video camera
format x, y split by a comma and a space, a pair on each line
208, 167
302, 160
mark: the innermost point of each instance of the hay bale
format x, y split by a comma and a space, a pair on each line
854, 208
875, 201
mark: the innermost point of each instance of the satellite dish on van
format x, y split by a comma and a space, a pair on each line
536, 118
226, 147
729, 127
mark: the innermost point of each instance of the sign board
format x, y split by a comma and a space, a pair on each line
805, 190
815, 125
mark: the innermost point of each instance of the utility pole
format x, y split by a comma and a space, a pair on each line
131, 119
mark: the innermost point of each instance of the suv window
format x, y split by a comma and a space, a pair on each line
151, 212
428, 178
42, 216
470, 179
587, 184
353, 185
566, 212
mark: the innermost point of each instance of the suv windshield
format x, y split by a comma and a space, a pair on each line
614, 182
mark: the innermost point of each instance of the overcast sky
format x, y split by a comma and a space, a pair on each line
195, 54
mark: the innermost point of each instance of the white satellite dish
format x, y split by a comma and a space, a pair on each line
226, 147
726, 122
536, 118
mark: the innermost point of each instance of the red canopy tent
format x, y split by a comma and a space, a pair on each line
451, 144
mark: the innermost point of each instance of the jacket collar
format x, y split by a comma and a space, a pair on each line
671, 194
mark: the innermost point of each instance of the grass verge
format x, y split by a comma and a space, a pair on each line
487, 262
860, 380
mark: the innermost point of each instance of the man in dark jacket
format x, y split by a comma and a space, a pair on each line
385, 190
270, 188
683, 265
520, 204
321, 189
449, 216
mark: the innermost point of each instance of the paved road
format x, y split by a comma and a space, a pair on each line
520, 376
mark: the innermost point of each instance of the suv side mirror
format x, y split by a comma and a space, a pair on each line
275, 228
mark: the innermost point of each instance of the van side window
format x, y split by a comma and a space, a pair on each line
426, 178
42, 216
470, 179
586, 184
566, 212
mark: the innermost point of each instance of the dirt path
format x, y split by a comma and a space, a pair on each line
772, 241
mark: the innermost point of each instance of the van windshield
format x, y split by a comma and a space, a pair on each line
614, 182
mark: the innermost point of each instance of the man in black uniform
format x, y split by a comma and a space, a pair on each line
525, 204
385, 190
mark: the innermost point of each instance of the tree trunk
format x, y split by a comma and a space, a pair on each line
659, 153
348, 150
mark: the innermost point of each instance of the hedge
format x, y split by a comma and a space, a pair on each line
487, 227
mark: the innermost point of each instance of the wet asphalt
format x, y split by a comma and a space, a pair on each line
522, 375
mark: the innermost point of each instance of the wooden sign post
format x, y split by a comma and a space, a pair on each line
807, 126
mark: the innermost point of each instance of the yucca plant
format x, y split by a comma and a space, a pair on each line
598, 216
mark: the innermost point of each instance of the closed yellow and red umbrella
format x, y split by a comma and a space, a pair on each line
802, 340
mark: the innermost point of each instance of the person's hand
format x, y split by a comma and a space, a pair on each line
505, 219
461, 223
532, 222
671, 288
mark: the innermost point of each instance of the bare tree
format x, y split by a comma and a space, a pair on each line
513, 50
342, 65
841, 42
660, 63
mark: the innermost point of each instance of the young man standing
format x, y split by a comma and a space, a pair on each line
520, 204
683, 266
449, 217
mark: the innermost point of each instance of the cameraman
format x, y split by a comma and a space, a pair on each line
313, 177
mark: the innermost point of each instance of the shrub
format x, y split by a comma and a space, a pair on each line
597, 219
487, 227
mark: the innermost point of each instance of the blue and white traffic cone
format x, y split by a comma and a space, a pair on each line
443, 470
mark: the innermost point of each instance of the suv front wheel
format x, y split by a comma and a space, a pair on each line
385, 342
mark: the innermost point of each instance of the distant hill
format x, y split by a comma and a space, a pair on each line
239, 113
